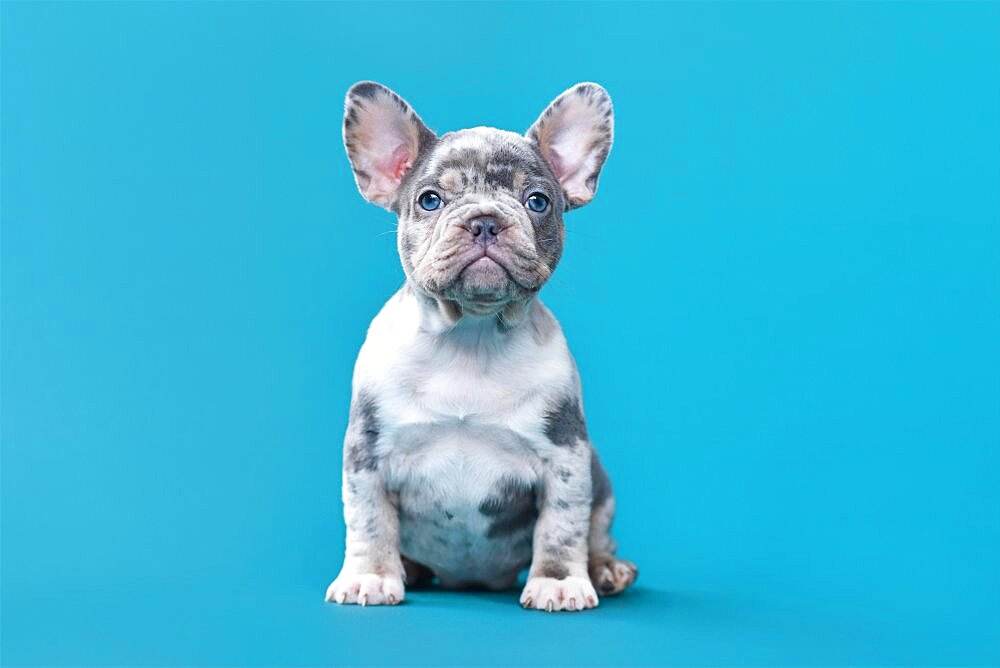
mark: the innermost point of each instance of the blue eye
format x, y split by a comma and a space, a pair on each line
429, 201
537, 202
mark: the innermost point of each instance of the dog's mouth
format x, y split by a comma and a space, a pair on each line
484, 280
486, 263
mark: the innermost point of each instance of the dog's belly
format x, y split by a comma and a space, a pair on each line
467, 502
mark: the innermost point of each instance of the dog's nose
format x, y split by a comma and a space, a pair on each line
485, 229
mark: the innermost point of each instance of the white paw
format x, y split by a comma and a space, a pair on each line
572, 593
366, 589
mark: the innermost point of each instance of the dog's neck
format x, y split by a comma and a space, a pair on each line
445, 318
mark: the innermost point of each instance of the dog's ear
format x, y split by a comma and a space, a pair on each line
574, 135
383, 137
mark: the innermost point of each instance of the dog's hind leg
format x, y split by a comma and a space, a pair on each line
609, 574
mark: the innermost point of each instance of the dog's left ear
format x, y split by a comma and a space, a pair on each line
383, 137
574, 135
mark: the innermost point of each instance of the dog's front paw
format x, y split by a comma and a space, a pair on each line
366, 589
571, 594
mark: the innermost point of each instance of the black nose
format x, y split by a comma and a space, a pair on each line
485, 229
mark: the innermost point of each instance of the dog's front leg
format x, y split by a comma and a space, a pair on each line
558, 578
372, 573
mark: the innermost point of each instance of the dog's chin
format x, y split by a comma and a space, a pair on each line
483, 287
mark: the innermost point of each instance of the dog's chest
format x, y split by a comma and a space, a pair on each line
461, 419
467, 498
444, 385
454, 432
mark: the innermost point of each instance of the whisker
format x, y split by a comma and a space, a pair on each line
580, 233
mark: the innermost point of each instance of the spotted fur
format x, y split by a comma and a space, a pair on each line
467, 456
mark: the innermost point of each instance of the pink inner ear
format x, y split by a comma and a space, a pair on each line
386, 175
398, 163
556, 163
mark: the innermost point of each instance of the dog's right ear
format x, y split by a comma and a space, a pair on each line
383, 137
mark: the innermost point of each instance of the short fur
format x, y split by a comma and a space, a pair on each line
467, 455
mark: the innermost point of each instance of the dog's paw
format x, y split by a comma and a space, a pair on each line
366, 589
571, 594
610, 575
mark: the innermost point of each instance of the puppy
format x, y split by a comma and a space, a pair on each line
466, 456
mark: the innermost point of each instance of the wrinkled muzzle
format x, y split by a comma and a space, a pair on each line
481, 252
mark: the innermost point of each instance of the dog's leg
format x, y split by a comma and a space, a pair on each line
372, 573
558, 578
609, 574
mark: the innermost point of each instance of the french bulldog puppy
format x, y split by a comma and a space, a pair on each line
466, 456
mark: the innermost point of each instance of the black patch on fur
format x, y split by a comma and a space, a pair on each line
552, 569
362, 435
511, 507
564, 424
555, 552
513, 523
367, 89
599, 481
500, 175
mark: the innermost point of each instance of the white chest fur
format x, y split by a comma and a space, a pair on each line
424, 372
461, 418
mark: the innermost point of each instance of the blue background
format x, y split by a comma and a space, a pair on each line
784, 301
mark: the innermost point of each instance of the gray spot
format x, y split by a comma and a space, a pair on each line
511, 507
510, 491
367, 89
564, 424
513, 523
600, 483
555, 553
564, 473
552, 569
362, 435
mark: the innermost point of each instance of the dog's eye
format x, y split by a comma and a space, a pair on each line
429, 201
537, 202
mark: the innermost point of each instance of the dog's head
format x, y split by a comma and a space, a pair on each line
480, 210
